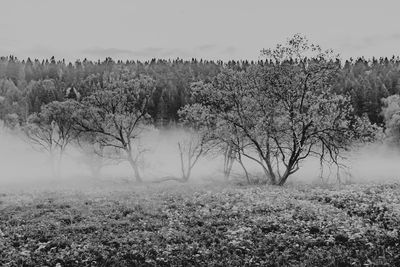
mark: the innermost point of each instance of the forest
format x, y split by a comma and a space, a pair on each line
28, 84
298, 102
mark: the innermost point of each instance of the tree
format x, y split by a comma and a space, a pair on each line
229, 159
118, 115
391, 115
40, 93
218, 136
282, 113
52, 130
191, 147
93, 153
11, 121
11, 100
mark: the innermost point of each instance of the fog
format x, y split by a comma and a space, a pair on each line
21, 165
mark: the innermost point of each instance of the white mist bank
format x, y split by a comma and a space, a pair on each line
371, 163
20, 164
162, 158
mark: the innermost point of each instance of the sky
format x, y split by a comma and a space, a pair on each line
208, 29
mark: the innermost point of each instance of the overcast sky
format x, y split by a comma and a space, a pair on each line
211, 29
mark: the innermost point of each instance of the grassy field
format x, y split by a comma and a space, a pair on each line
206, 225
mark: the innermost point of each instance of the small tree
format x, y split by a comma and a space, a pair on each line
217, 135
391, 115
190, 151
282, 113
11, 121
229, 158
12, 101
191, 147
52, 129
93, 153
118, 115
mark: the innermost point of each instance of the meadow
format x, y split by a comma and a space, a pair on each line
209, 224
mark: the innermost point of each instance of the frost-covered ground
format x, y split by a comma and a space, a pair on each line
214, 224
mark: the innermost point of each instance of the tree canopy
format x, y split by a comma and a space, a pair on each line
391, 114
118, 115
279, 114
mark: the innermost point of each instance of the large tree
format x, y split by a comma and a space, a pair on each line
281, 113
118, 115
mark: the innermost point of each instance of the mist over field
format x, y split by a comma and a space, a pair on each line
372, 163
24, 166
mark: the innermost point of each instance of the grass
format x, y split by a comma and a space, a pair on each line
207, 225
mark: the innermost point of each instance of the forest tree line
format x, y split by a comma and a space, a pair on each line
28, 84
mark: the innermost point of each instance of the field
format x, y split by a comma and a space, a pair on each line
201, 225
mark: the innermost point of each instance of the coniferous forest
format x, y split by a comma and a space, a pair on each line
27, 84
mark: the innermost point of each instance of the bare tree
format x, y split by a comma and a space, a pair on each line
229, 158
191, 148
52, 130
94, 154
118, 115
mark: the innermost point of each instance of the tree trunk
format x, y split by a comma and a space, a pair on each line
244, 168
288, 172
54, 165
135, 168
284, 177
270, 175
228, 162
228, 168
59, 163
268, 170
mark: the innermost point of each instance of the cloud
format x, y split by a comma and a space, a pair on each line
148, 52
178, 52
215, 50
206, 47
158, 52
229, 50
395, 36
4, 40
106, 52
370, 41
206, 50
201, 51
40, 51
144, 53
